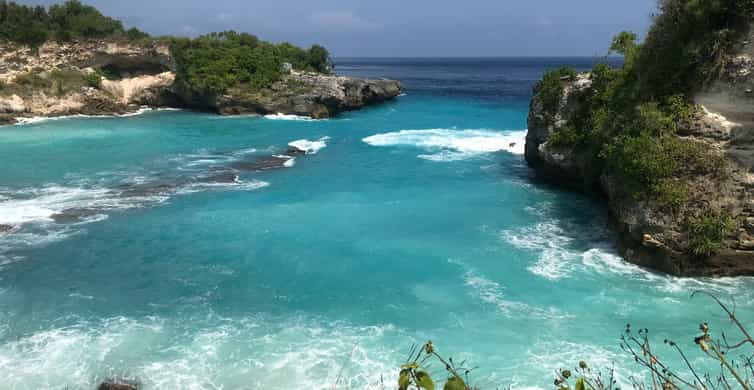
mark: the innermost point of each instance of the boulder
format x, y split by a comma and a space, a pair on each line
108, 385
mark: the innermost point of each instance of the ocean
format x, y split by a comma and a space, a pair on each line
145, 249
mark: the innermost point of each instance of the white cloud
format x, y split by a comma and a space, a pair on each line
342, 21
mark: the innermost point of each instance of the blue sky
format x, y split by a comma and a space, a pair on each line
400, 28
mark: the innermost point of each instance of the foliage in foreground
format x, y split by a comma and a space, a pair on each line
656, 373
661, 376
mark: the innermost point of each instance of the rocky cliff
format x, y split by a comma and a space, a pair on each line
105, 77
652, 235
299, 93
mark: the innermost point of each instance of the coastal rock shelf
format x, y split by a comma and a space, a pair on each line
62, 79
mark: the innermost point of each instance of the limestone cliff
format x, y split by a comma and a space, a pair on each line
651, 235
300, 93
104, 77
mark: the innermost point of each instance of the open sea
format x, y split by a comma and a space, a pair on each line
146, 248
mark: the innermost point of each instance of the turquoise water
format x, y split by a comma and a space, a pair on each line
414, 220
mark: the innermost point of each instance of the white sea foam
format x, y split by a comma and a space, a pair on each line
289, 161
288, 117
452, 145
20, 121
236, 185
558, 257
492, 293
309, 147
201, 353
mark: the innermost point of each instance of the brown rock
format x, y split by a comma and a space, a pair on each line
117, 386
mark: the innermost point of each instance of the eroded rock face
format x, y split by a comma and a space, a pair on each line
649, 235
300, 93
557, 164
143, 73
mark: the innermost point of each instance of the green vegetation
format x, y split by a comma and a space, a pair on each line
216, 62
707, 232
58, 82
63, 22
210, 64
415, 375
629, 117
551, 87
732, 352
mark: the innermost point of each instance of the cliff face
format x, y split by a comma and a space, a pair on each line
63, 78
66, 79
651, 235
300, 93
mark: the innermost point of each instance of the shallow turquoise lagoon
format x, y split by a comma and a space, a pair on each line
410, 221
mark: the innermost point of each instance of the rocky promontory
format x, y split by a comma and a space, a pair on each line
299, 93
113, 77
652, 234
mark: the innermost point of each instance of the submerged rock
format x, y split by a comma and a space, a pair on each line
261, 164
108, 385
5, 228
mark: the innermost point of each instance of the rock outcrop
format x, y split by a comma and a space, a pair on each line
63, 79
300, 93
59, 79
649, 235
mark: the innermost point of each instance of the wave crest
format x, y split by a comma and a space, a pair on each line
452, 145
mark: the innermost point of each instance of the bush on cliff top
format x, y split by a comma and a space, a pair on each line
215, 62
629, 117
63, 22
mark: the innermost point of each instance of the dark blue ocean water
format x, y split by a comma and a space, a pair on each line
413, 220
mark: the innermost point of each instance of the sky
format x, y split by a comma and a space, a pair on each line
399, 28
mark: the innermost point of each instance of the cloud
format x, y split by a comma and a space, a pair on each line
341, 21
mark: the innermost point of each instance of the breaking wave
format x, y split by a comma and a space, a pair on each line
452, 145
20, 121
310, 147
194, 353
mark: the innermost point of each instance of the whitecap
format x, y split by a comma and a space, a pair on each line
492, 292
237, 185
20, 121
309, 147
288, 117
452, 145
204, 352
289, 160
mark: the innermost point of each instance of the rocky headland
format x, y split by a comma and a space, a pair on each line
665, 235
116, 76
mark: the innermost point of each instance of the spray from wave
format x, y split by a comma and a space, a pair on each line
452, 145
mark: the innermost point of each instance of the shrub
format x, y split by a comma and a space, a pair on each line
216, 62
708, 231
93, 80
71, 20
550, 89
33, 80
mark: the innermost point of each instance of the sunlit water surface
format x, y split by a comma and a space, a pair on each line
413, 220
